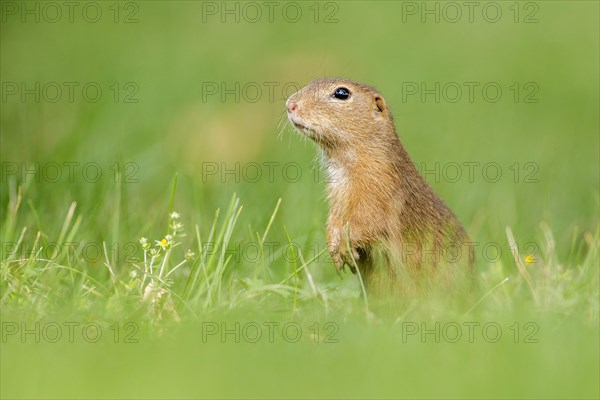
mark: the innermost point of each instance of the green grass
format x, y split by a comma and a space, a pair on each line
240, 250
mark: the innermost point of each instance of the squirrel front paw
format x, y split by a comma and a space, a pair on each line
341, 255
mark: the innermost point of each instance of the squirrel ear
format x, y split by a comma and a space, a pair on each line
380, 103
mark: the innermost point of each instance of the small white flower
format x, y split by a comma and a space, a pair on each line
144, 243
133, 274
189, 255
177, 227
174, 215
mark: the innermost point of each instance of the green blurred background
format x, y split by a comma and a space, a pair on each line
165, 55
170, 53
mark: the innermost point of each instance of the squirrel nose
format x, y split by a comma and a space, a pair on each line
291, 106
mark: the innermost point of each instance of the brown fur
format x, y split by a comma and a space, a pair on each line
375, 191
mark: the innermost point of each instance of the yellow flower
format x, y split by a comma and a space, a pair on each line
163, 244
529, 259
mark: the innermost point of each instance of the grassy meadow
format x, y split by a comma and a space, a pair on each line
163, 228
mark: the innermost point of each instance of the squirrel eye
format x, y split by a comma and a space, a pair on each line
341, 93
